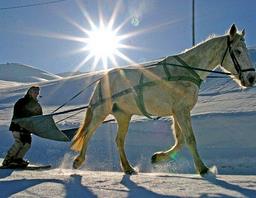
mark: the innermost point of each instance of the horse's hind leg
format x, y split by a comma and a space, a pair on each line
170, 153
97, 117
123, 124
184, 120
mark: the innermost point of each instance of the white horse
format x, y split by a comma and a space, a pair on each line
166, 88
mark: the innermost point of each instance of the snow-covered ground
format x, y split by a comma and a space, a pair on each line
70, 183
24, 73
223, 122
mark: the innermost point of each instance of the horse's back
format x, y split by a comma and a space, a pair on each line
146, 86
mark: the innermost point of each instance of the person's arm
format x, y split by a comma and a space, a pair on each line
40, 111
37, 110
19, 111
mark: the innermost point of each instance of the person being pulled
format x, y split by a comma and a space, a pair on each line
24, 107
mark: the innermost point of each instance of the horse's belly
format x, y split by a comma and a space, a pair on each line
160, 100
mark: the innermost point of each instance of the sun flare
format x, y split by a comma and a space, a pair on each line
103, 43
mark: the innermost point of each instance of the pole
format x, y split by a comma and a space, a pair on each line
193, 22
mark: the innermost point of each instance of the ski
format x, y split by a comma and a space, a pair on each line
29, 167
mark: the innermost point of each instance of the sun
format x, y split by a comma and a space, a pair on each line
103, 43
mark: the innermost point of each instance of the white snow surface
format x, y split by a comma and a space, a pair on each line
24, 73
224, 126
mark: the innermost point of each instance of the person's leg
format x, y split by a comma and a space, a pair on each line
26, 141
15, 148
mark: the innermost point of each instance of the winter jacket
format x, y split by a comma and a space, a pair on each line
25, 107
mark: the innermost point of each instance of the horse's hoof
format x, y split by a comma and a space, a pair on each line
131, 172
204, 171
209, 172
153, 158
77, 163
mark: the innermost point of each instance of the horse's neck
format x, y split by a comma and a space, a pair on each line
207, 55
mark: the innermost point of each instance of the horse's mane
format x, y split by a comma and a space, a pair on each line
202, 42
212, 36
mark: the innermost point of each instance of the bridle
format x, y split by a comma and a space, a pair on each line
237, 66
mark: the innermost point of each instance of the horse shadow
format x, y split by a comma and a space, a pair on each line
5, 173
138, 191
233, 187
73, 186
223, 184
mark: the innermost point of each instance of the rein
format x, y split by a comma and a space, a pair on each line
198, 69
164, 63
80, 92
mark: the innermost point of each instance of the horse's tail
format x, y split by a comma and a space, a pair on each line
78, 140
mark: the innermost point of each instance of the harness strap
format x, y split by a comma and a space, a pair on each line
139, 99
181, 61
195, 79
100, 92
138, 91
139, 88
167, 72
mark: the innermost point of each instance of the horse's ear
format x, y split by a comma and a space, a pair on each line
243, 32
232, 31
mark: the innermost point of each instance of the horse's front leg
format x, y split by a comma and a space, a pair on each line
78, 161
87, 136
98, 117
170, 153
80, 158
123, 124
184, 121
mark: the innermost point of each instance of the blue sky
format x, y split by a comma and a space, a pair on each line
161, 28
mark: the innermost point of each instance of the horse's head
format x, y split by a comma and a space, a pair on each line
236, 58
